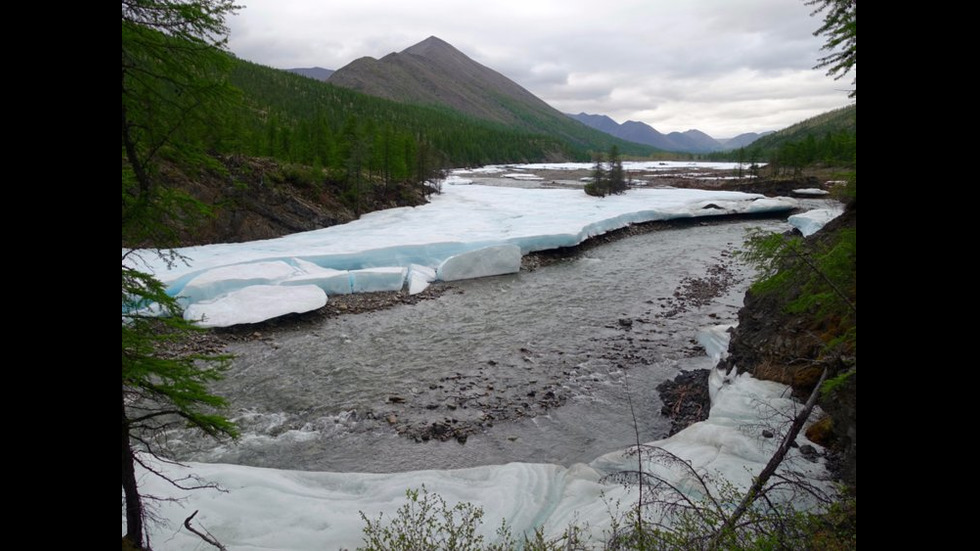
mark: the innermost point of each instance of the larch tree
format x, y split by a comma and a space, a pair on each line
173, 89
597, 185
172, 62
617, 176
839, 28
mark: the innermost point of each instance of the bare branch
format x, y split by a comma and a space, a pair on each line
206, 536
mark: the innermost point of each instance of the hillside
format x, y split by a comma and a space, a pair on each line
301, 120
253, 198
842, 121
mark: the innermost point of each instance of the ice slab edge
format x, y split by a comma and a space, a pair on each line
485, 262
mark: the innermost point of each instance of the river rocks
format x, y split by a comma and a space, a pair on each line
696, 292
685, 399
459, 405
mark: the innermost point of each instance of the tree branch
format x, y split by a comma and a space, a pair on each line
206, 536
770, 469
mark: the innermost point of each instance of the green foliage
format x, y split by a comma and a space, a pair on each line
175, 99
815, 279
298, 119
427, 523
829, 386
297, 175
839, 28
616, 178
664, 523
597, 187
845, 188
829, 139
174, 87
594, 190
819, 276
162, 387
173, 95
153, 217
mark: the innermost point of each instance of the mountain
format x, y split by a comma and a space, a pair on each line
644, 133
743, 140
695, 141
316, 73
434, 73
601, 123
692, 141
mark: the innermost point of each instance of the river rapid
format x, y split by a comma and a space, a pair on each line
558, 364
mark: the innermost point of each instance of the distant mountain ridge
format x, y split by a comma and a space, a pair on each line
316, 73
691, 141
744, 140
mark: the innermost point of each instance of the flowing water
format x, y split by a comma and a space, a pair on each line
551, 365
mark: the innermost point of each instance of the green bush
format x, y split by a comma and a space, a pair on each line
815, 276
663, 523
427, 523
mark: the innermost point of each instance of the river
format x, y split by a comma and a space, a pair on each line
539, 366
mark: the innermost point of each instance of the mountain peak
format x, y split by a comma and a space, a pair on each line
428, 46
435, 72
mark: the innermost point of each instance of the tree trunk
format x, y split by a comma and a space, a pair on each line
134, 504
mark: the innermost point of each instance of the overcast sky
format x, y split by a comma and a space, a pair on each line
720, 66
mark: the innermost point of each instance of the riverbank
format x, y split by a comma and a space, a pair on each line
359, 303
